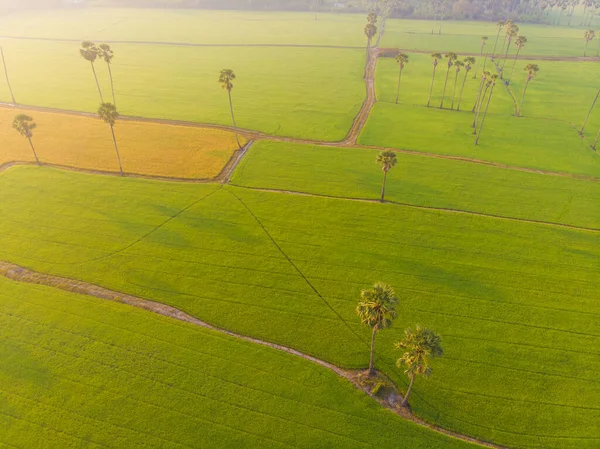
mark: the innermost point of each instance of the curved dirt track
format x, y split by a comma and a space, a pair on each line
21, 274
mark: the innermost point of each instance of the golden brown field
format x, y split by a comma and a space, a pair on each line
146, 148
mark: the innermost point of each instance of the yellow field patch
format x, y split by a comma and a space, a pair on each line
146, 148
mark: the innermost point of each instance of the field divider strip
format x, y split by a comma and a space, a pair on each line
21, 274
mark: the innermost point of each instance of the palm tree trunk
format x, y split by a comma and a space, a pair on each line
97, 83
479, 109
585, 48
34, 153
445, 84
112, 86
484, 115
233, 120
431, 88
461, 91
398, 88
505, 57
496, 43
478, 94
590, 112
112, 130
407, 395
503, 43
478, 63
485, 61
454, 90
523, 98
596, 141
6, 74
598, 49
514, 64
371, 371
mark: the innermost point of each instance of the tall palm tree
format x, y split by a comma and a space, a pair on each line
488, 83
590, 112
484, 40
12, 95
484, 76
468, 63
402, 60
589, 36
226, 78
370, 31
520, 42
532, 70
387, 160
512, 33
106, 54
420, 346
507, 26
376, 310
108, 113
459, 65
500, 25
436, 58
451, 57
25, 125
89, 52
487, 106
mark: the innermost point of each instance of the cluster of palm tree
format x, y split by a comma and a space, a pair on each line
452, 61
370, 32
595, 144
92, 52
511, 35
377, 310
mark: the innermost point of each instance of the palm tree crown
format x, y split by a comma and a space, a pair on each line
402, 59
387, 160
376, 308
24, 124
420, 346
89, 51
225, 78
532, 70
451, 57
436, 57
108, 113
468, 63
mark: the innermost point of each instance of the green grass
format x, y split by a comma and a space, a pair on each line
540, 142
421, 181
516, 304
81, 372
301, 92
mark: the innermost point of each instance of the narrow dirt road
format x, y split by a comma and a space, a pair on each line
24, 275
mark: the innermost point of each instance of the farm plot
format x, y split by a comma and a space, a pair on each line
77, 371
421, 181
515, 303
145, 148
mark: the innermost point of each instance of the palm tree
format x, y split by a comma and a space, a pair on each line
484, 76
451, 57
532, 70
420, 346
108, 113
493, 84
458, 65
590, 112
436, 58
370, 32
484, 40
89, 52
519, 43
589, 36
500, 25
387, 160
105, 53
507, 26
402, 60
12, 95
468, 63
488, 83
512, 33
225, 78
25, 126
377, 310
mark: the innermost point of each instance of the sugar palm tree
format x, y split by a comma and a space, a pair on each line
468, 64
108, 113
12, 95
451, 57
484, 40
487, 106
459, 65
370, 32
512, 34
226, 78
419, 346
25, 125
532, 70
500, 25
387, 160
376, 310
507, 26
590, 112
436, 58
106, 54
488, 83
589, 36
520, 42
402, 60
89, 52
484, 76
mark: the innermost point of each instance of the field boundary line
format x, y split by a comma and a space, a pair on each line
21, 274
415, 206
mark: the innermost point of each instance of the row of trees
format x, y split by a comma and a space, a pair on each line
377, 310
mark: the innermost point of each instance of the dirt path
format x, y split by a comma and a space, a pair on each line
21, 274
